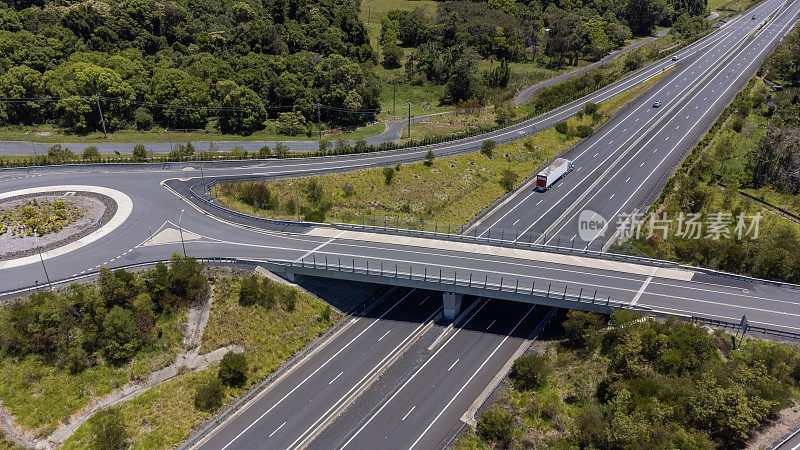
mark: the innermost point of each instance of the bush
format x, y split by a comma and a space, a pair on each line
580, 329
530, 372
562, 128
325, 314
388, 174
348, 189
590, 108
139, 153
57, 154
143, 119
91, 153
233, 369
508, 179
487, 148
209, 395
429, 157
583, 131
495, 426
108, 431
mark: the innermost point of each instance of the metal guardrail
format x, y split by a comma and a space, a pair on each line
442, 281
754, 328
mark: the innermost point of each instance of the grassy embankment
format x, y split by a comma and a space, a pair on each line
645, 384
709, 182
452, 189
52, 135
164, 416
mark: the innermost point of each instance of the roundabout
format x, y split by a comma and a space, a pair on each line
100, 211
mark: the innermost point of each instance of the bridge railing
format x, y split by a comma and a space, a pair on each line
445, 281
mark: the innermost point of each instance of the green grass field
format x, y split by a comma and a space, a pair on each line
452, 189
164, 416
52, 135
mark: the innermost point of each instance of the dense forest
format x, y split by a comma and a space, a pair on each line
445, 49
241, 61
640, 383
179, 63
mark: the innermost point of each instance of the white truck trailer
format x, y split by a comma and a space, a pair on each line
550, 174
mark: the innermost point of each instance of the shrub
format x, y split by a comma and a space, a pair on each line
264, 152
250, 292
429, 157
583, 131
143, 119
108, 431
120, 336
495, 426
209, 394
91, 153
737, 123
580, 329
590, 108
348, 189
57, 154
139, 153
508, 179
562, 128
530, 372
487, 148
325, 314
388, 174
233, 369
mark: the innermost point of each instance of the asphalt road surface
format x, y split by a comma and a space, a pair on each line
615, 168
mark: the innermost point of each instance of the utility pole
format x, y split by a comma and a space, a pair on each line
319, 121
102, 120
409, 120
180, 229
169, 136
203, 178
33, 147
36, 234
394, 96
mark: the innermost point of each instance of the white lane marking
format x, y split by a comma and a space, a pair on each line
612, 196
454, 363
397, 392
384, 335
334, 378
424, 300
537, 203
276, 429
515, 222
409, 412
471, 377
320, 246
629, 179
579, 168
312, 374
644, 286
490, 325
642, 164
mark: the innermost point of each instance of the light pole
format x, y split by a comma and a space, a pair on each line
30, 134
36, 236
296, 198
180, 229
169, 136
409, 120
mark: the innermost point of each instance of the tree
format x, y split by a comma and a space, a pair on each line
209, 394
91, 153
580, 329
487, 148
233, 369
242, 112
57, 154
188, 98
108, 430
463, 82
291, 123
143, 119
392, 55
22, 82
120, 336
139, 153
643, 15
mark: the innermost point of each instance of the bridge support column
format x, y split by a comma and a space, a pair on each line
452, 304
291, 277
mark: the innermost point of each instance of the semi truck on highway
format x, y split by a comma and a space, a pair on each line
552, 173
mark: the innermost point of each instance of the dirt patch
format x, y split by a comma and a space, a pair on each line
96, 210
